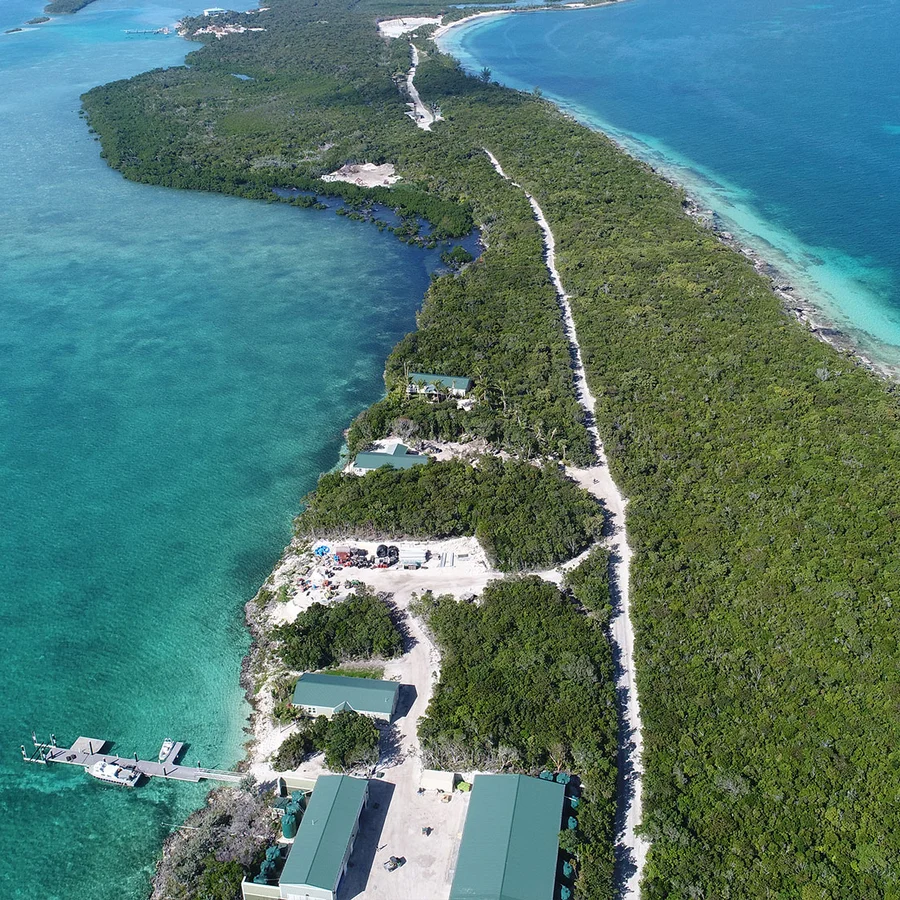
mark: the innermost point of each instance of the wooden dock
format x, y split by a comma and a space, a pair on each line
87, 751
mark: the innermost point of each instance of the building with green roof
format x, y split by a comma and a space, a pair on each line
325, 695
401, 457
318, 857
322, 847
510, 842
437, 386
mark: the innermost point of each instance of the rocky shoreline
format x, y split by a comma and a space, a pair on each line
804, 310
234, 823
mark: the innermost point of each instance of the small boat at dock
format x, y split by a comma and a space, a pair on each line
112, 773
165, 751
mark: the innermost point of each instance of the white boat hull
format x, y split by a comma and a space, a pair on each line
110, 773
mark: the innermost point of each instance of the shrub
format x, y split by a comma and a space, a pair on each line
358, 628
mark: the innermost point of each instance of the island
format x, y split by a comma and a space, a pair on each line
65, 7
617, 348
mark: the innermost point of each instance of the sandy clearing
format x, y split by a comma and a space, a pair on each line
631, 851
394, 28
394, 826
465, 570
365, 175
457, 566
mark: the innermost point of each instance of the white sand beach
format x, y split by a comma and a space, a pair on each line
394, 28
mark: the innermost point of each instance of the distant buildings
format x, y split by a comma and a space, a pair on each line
326, 695
400, 457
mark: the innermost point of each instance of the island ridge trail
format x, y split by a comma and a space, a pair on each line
628, 843
421, 115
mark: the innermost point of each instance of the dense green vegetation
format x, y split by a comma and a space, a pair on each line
590, 584
65, 7
358, 628
325, 93
761, 466
220, 880
348, 740
526, 683
222, 843
762, 470
523, 516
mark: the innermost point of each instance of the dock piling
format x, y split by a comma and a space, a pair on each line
85, 752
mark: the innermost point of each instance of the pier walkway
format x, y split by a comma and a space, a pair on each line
87, 751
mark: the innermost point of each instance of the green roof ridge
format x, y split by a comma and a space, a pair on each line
517, 818
336, 689
509, 832
317, 854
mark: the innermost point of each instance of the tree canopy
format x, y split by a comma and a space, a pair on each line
360, 627
525, 517
761, 465
527, 683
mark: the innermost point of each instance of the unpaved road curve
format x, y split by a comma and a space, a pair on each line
421, 115
631, 849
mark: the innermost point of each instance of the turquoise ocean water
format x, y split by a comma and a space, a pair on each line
783, 116
175, 371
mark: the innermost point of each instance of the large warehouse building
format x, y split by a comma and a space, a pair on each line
510, 843
321, 850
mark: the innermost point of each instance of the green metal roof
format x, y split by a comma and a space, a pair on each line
400, 457
510, 843
451, 382
317, 855
365, 695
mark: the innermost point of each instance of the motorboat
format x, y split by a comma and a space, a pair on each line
166, 750
113, 773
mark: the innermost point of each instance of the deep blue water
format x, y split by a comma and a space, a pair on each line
782, 116
176, 370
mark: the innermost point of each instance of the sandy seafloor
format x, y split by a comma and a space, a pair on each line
176, 369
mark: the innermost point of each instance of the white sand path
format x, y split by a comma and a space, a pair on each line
631, 849
420, 113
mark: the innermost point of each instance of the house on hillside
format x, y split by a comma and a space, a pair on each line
327, 695
438, 387
400, 457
